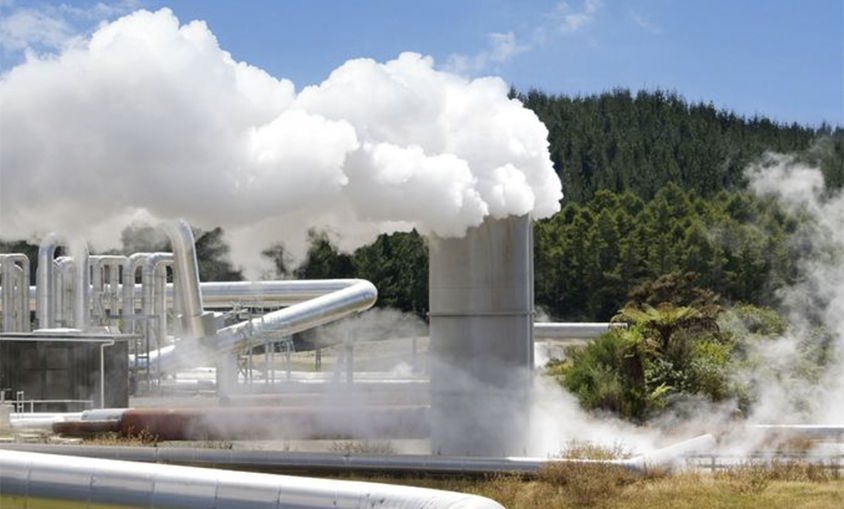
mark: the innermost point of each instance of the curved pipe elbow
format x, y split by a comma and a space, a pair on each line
197, 323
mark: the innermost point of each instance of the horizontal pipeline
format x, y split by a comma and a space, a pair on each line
575, 330
45, 480
245, 423
221, 295
330, 463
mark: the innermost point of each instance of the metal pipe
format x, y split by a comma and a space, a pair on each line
562, 330
103, 346
331, 463
99, 265
159, 299
356, 295
18, 322
128, 289
29, 479
97, 309
45, 310
223, 295
197, 323
63, 290
19, 290
8, 295
309, 422
81, 290
26, 323
152, 264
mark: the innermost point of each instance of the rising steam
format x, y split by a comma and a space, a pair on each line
816, 301
153, 120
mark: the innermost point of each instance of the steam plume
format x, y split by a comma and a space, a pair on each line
818, 299
151, 119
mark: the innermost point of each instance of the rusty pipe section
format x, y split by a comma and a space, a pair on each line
43, 480
309, 422
250, 423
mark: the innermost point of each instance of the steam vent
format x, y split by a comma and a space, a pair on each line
481, 301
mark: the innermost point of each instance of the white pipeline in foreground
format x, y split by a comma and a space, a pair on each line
44, 480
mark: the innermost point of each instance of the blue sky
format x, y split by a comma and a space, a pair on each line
783, 59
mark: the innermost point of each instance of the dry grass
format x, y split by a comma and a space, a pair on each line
141, 439
371, 447
778, 486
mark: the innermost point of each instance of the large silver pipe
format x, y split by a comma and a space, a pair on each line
153, 293
359, 296
20, 290
159, 298
224, 295
16, 280
33, 479
354, 295
62, 291
8, 295
153, 263
563, 330
45, 309
196, 322
97, 307
81, 286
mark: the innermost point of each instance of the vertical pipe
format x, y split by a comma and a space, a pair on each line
81, 290
19, 298
17, 305
8, 297
24, 295
45, 303
130, 269
149, 328
160, 304
198, 324
97, 309
106, 291
62, 290
114, 288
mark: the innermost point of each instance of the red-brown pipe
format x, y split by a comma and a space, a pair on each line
85, 428
280, 423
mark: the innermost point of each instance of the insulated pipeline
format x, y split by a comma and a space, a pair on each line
331, 463
44, 480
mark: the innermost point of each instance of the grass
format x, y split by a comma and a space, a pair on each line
785, 486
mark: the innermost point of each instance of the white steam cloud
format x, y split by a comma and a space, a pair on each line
151, 119
819, 294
